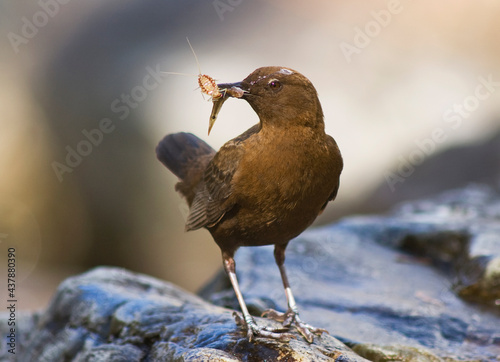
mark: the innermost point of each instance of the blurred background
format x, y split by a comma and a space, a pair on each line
410, 91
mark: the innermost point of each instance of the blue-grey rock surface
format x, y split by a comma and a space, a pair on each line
110, 314
419, 285
426, 277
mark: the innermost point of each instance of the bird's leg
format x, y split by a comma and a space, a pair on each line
291, 317
253, 330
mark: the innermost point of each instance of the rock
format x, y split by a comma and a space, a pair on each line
424, 280
420, 284
110, 314
460, 232
395, 353
25, 323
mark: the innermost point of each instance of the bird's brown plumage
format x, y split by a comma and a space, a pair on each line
270, 183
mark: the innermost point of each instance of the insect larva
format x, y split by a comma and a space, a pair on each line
207, 84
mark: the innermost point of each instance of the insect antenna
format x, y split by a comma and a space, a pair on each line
195, 57
206, 84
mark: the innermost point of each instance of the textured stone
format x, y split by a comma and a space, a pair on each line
395, 353
405, 279
421, 284
109, 314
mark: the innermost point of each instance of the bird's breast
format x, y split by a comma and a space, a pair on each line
283, 183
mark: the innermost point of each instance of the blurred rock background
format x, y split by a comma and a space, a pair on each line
398, 81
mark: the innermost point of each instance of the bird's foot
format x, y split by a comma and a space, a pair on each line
292, 318
253, 330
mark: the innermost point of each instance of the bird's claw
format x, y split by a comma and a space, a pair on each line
253, 330
290, 318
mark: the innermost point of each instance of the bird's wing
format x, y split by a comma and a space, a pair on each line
213, 196
332, 197
336, 169
211, 201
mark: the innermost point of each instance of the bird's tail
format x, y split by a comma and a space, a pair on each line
186, 156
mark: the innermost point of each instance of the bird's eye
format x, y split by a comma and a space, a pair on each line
275, 85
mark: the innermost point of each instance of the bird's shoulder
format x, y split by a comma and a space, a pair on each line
223, 166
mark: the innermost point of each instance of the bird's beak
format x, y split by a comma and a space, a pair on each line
235, 90
227, 90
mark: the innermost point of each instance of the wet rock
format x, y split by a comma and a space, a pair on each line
24, 324
424, 278
110, 314
459, 231
395, 353
421, 284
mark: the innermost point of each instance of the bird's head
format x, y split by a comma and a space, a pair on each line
280, 96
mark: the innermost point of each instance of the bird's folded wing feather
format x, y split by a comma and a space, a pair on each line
212, 199
214, 196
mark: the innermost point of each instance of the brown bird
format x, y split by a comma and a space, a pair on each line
265, 186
